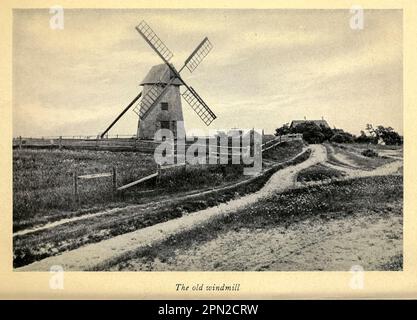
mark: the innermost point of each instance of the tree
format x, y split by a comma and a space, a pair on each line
373, 132
315, 133
285, 129
327, 132
388, 135
363, 138
311, 132
342, 137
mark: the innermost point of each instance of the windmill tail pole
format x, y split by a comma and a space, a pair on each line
120, 115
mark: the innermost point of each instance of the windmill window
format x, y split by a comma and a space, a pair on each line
164, 124
164, 105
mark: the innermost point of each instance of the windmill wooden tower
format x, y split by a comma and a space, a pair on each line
166, 115
160, 106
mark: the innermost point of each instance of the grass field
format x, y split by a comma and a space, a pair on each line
43, 181
318, 172
230, 245
283, 151
362, 146
44, 243
351, 156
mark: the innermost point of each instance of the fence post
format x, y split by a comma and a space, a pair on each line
175, 158
158, 170
241, 147
20, 142
60, 143
218, 149
114, 179
207, 152
252, 142
75, 179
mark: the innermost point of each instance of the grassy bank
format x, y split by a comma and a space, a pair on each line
343, 155
318, 172
284, 151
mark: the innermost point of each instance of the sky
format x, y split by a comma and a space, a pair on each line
267, 68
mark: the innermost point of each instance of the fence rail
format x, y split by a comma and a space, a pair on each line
279, 139
131, 184
131, 143
76, 177
96, 175
220, 150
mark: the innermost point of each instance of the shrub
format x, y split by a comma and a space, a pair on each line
342, 137
363, 138
316, 133
318, 173
369, 153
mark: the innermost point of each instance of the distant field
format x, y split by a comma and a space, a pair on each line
43, 181
346, 154
372, 146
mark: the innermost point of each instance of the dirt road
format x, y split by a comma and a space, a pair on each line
93, 255
310, 245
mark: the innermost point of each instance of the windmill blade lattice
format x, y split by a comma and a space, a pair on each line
151, 99
157, 91
199, 106
153, 40
198, 55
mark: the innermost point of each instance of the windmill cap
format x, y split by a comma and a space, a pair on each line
160, 73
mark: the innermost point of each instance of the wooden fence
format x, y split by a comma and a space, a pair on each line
113, 143
76, 178
279, 139
118, 143
217, 154
85, 143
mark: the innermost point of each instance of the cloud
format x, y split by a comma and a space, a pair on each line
267, 67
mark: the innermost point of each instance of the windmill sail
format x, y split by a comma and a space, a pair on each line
153, 40
159, 89
198, 55
149, 100
199, 106
152, 98
154, 95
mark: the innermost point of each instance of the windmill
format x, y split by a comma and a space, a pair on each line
160, 106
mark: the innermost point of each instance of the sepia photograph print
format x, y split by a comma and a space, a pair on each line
135, 151
205, 140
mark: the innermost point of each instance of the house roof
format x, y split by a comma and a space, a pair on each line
160, 73
295, 123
